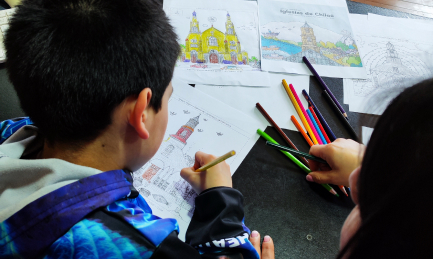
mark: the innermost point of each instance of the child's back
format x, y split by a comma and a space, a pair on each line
94, 78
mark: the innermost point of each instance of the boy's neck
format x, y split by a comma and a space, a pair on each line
97, 154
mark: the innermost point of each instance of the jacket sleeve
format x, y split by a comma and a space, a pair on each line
217, 225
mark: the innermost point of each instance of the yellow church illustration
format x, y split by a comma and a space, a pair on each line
212, 45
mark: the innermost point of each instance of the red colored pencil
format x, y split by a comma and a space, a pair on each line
311, 108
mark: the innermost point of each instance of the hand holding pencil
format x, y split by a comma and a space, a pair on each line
217, 175
343, 156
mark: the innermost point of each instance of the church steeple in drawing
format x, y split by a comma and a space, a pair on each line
186, 130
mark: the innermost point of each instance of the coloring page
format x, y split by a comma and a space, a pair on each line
197, 122
395, 60
219, 41
318, 30
274, 99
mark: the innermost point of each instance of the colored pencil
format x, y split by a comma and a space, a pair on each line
296, 152
322, 120
317, 127
216, 161
325, 87
311, 108
340, 115
296, 161
300, 129
301, 106
310, 113
278, 129
300, 114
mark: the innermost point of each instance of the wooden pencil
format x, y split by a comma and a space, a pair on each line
316, 126
300, 129
279, 130
324, 86
310, 122
322, 120
300, 114
216, 161
296, 161
340, 115
311, 108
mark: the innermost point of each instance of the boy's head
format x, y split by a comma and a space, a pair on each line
72, 62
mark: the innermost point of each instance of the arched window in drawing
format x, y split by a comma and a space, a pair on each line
234, 57
213, 41
230, 30
168, 150
193, 56
213, 56
183, 134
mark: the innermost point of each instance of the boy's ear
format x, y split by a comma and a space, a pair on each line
139, 114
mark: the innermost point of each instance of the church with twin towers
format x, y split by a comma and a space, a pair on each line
212, 45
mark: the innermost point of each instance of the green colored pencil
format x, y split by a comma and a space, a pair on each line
295, 160
296, 152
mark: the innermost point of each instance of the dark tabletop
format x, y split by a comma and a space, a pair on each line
303, 219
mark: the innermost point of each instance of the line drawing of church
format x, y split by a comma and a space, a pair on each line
392, 72
165, 166
212, 45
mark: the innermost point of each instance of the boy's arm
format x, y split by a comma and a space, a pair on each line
217, 224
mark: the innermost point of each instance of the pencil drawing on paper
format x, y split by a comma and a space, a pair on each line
212, 45
159, 171
282, 41
389, 66
159, 180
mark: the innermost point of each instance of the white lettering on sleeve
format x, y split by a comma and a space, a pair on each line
232, 242
220, 243
243, 238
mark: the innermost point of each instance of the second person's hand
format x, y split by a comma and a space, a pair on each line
343, 156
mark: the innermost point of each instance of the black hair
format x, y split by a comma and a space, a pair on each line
395, 185
73, 61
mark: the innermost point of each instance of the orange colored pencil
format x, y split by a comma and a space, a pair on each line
300, 113
298, 126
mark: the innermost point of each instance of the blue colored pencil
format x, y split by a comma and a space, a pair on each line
317, 127
322, 120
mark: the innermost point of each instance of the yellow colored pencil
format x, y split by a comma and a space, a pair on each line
216, 161
300, 113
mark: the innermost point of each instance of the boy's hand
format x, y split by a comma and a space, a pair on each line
216, 176
343, 156
267, 249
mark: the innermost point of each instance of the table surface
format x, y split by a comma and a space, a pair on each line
303, 219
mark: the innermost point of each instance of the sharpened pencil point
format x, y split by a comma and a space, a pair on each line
343, 190
334, 192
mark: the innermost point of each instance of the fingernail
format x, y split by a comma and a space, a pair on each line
266, 239
254, 234
310, 178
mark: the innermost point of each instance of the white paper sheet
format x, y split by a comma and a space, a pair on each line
274, 99
317, 29
399, 58
197, 122
219, 41
366, 134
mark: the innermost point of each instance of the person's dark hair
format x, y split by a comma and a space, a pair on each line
73, 61
395, 185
